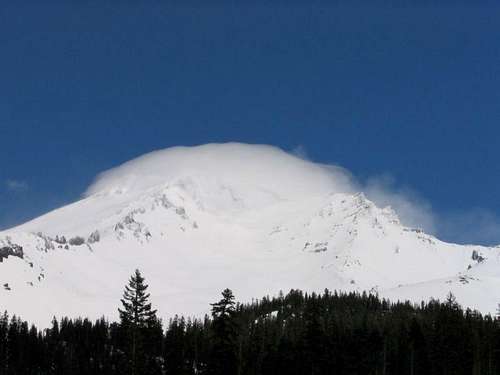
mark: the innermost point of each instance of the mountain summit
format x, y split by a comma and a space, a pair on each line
252, 218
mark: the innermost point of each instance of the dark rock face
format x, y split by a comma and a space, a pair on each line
94, 237
60, 240
76, 241
477, 257
11, 250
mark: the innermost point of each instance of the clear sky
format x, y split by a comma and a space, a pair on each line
411, 92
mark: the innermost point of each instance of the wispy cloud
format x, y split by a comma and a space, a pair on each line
476, 225
412, 209
16, 185
471, 226
301, 152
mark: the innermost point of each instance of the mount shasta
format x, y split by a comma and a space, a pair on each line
196, 220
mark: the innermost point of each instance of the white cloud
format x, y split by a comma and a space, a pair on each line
16, 185
412, 209
472, 226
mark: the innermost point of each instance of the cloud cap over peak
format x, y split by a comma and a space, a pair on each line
257, 167
260, 174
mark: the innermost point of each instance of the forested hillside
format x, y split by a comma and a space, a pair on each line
296, 333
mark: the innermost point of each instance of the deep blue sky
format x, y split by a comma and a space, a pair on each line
412, 91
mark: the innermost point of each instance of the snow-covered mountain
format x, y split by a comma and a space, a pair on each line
252, 218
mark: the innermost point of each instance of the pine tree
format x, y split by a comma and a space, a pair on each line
225, 307
136, 308
136, 319
223, 358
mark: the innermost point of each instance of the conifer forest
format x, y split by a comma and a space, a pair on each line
293, 334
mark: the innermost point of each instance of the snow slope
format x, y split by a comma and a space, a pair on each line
252, 218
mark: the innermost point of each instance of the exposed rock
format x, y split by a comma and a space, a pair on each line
95, 236
181, 211
48, 243
11, 250
477, 257
138, 229
60, 240
76, 241
320, 247
317, 248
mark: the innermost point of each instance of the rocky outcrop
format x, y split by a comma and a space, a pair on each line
76, 241
11, 250
477, 256
94, 237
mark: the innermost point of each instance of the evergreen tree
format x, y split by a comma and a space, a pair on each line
4, 349
223, 358
136, 319
136, 308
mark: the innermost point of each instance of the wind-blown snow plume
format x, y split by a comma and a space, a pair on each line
413, 210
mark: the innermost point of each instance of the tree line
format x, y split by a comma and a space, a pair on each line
297, 334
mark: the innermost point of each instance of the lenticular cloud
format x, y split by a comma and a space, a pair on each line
249, 176
247, 167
